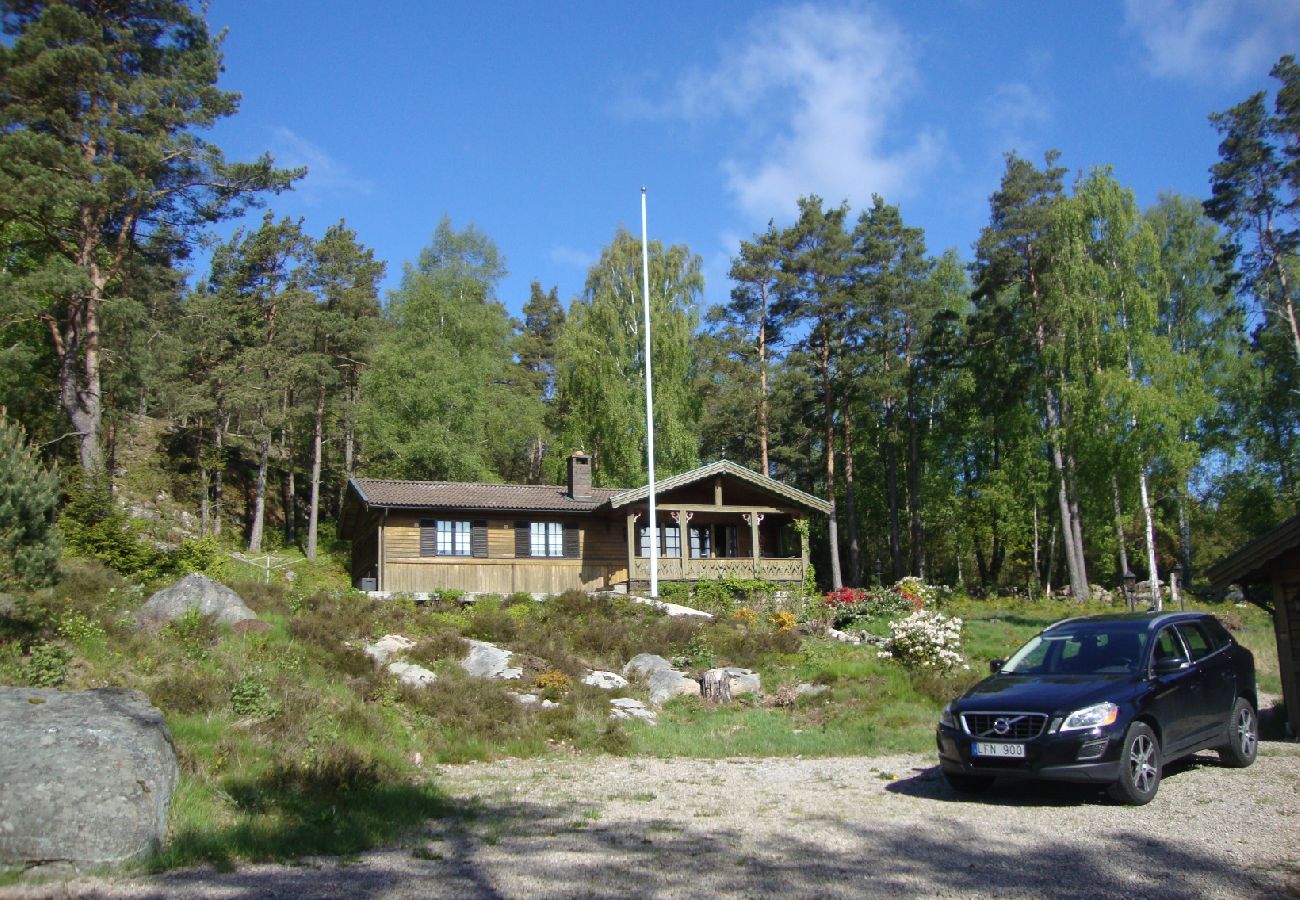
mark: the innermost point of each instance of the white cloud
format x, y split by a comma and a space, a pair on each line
568, 256
1214, 40
812, 93
325, 174
1012, 113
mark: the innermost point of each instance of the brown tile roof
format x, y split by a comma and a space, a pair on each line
383, 492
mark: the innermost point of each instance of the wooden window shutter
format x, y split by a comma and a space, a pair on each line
428, 537
478, 539
571, 540
523, 539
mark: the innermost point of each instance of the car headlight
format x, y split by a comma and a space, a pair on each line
946, 718
1096, 716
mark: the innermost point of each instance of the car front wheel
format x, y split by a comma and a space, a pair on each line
1139, 767
1243, 736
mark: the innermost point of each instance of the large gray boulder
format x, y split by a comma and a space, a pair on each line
643, 665
486, 660
195, 591
665, 684
85, 777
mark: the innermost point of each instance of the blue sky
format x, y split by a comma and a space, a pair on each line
540, 122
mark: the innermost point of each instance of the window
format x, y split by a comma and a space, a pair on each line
452, 538
1196, 641
1168, 646
546, 539
701, 542
669, 540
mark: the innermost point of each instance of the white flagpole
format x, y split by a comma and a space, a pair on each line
653, 522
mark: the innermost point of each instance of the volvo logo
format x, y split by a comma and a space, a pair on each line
1001, 726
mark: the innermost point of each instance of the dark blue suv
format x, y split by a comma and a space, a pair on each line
1108, 700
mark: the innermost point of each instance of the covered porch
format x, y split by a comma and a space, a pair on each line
721, 521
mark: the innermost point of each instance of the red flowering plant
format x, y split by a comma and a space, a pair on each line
850, 606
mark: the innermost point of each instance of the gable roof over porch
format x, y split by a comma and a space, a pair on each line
724, 468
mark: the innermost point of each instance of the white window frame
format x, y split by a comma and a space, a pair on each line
452, 537
546, 539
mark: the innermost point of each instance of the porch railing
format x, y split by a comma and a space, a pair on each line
677, 569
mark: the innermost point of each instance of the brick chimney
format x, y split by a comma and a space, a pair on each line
580, 476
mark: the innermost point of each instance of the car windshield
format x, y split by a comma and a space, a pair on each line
1106, 648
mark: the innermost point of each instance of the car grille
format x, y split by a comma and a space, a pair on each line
1013, 726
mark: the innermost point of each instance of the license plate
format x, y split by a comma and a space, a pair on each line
1006, 751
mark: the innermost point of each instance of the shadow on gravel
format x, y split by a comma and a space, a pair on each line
929, 784
524, 849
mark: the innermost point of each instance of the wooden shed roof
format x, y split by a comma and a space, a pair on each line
385, 493
1250, 563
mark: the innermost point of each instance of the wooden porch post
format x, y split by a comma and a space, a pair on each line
683, 526
754, 518
631, 547
803, 553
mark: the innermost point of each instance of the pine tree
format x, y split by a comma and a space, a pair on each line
29, 497
99, 159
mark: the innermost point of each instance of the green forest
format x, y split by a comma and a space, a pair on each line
1099, 388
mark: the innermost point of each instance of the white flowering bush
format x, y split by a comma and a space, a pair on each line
926, 640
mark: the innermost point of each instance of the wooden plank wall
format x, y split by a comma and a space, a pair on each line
602, 560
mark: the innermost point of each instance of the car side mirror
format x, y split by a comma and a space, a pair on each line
995, 665
1169, 665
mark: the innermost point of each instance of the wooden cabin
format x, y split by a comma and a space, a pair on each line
1273, 559
720, 520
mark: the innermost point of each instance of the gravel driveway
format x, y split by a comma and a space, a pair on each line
608, 827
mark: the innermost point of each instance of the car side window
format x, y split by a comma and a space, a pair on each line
1219, 637
1197, 642
1168, 646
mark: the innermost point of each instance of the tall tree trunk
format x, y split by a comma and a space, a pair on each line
828, 403
1119, 526
77, 349
313, 514
218, 488
851, 500
205, 485
1074, 561
914, 476
259, 498
290, 501
1184, 537
1151, 539
1033, 582
1051, 559
891, 491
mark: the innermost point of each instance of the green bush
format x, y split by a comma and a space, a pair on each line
204, 555
93, 525
29, 495
487, 621
250, 697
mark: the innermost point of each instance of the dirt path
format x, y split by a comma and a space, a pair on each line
826, 827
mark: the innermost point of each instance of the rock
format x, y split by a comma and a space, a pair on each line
195, 591
388, 646
811, 690
410, 673
725, 684
85, 777
627, 708
8, 606
843, 636
610, 681
533, 700
251, 625
665, 684
672, 609
643, 665
486, 660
